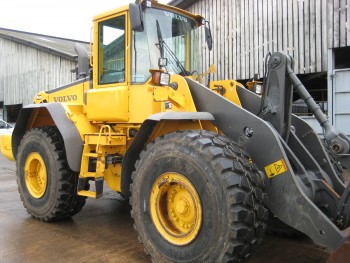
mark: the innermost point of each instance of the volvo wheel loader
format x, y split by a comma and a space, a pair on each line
202, 166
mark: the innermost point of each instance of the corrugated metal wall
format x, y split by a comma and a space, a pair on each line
24, 71
245, 30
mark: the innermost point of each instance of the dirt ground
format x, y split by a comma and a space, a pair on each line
102, 232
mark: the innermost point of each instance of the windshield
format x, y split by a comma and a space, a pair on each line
168, 35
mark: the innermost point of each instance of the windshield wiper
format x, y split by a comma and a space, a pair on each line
160, 40
162, 44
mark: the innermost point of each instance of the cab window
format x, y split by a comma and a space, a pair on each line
112, 51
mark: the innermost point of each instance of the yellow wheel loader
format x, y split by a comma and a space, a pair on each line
203, 167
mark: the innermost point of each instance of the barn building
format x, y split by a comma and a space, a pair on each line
30, 63
316, 33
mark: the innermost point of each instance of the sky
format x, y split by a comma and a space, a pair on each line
61, 18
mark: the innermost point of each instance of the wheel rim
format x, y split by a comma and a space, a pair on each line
176, 209
35, 175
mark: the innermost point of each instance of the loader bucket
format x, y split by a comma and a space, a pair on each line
5, 144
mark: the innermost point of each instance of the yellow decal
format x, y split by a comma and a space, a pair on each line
275, 168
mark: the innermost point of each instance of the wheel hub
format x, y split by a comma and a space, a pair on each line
182, 207
35, 175
175, 208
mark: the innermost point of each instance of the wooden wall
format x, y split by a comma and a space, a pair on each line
24, 71
245, 30
338, 23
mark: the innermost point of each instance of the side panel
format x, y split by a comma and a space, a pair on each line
72, 140
141, 103
71, 93
108, 104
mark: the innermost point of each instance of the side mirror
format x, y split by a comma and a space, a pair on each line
83, 61
135, 14
208, 37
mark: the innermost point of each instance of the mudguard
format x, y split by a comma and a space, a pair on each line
71, 137
143, 135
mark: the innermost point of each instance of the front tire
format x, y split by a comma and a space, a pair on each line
46, 184
197, 197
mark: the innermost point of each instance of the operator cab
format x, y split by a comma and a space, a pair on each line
164, 39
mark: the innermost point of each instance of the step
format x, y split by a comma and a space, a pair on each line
87, 193
88, 174
94, 194
91, 155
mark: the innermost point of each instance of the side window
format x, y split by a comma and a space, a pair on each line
2, 125
140, 62
112, 50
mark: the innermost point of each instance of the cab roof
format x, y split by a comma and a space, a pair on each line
154, 3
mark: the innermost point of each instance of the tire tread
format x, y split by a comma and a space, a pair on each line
67, 201
241, 181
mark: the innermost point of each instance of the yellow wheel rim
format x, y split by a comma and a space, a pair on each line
35, 175
176, 209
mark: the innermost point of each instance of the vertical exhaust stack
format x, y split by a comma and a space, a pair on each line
83, 61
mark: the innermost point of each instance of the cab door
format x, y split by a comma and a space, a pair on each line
108, 100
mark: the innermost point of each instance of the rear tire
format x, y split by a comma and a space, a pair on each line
197, 197
47, 186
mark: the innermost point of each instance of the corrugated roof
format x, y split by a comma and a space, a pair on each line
58, 46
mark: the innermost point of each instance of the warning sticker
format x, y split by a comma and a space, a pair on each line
275, 168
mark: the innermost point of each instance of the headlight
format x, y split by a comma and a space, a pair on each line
164, 79
258, 89
160, 78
